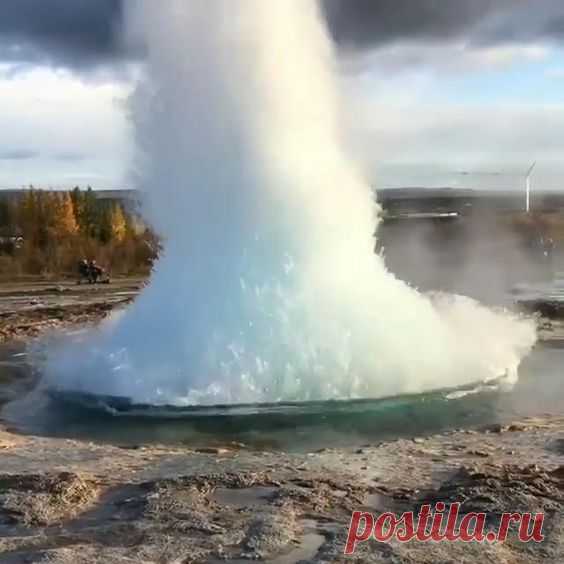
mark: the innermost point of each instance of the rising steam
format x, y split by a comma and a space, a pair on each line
269, 288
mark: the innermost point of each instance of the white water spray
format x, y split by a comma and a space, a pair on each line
269, 288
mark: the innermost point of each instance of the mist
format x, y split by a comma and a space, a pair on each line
268, 289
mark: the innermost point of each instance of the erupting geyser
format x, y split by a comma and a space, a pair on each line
269, 288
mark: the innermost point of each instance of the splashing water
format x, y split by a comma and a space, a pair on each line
269, 288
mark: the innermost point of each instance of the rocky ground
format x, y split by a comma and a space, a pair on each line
68, 501
73, 502
29, 309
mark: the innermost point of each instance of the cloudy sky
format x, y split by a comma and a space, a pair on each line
437, 92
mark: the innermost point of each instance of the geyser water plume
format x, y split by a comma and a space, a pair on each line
269, 288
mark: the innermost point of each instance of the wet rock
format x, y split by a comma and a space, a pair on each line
458, 448
212, 450
270, 534
557, 445
517, 428
558, 474
479, 453
237, 445
499, 489
494, 428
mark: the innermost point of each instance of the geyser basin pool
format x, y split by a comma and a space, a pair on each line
309, 425
124, 407
291, 427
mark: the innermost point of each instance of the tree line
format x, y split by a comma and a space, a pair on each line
46, 232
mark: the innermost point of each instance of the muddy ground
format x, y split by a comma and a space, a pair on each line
31, 308
68, 501
73, 502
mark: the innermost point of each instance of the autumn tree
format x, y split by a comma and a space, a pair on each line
63, 220
60, 228
76, 198
118, 223
87, 212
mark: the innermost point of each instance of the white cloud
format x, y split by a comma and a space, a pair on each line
454, 57
53, 113
76, 131
418, 140
409, 125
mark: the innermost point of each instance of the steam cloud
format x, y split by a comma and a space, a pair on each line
269, 288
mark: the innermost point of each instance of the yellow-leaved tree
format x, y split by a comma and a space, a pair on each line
64, 221
118, 223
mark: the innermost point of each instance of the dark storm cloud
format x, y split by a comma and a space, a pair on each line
367, 23
82, 34
17, 155
73, 33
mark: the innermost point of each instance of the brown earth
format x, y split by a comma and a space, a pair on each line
29, 309
64, 501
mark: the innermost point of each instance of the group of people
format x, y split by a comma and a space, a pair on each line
90, 271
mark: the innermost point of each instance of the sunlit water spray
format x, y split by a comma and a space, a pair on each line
269, 289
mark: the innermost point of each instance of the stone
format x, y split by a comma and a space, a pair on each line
212, 450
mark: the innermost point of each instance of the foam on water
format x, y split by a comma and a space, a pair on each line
269, 288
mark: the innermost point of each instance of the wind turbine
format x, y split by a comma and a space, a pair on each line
528, 186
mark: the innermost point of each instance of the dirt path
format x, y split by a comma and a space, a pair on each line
29, 309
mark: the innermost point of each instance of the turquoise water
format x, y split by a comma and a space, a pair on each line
307, 426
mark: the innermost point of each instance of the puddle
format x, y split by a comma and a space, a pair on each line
383, 503
112, 505
306, 551
244, 497
16, 377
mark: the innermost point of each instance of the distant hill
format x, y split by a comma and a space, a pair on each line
128, 198
465, 201
405, 200
124, 195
